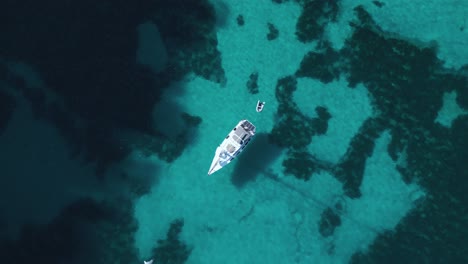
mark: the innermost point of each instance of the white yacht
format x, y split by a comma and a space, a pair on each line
232, 145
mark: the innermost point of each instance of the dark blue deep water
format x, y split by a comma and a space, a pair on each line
79, 89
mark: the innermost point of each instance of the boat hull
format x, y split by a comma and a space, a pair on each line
232, 145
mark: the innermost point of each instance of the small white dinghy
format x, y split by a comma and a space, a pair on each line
260, 106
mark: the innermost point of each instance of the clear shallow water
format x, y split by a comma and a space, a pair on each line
109, 122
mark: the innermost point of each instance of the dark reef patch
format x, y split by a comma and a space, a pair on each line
459, 140
350, 169
434, 230
190, 120
407, 84
273, 32
329, 220
401, 82
404, 83
301, 164
187, 28
461, 85
240, 20
405, 88
315, 15
252, 83
320, 124
294, 131
320, 65
171, 249
378, 3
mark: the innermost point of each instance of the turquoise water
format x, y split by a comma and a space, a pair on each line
109, 124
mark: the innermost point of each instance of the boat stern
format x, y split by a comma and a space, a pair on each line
215, 166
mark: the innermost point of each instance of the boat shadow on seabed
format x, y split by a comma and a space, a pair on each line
250, 164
